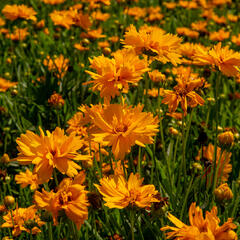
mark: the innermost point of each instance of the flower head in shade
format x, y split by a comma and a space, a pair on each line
71, 197
114, 75
200, 228
59, 65
18, 34
19, 218
223, 192
183, 92
53, 2
122, 126
119, 193
224, 58
13, 12
5, 84
56, 100
54, 150
156, 44
223, 160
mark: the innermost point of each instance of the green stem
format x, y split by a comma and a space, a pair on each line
55, 177
139, 161
50, 235
186, 197
132, 220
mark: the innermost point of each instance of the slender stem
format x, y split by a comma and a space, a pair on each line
139, 161
55, 177
132, 219
186, 197
50, 235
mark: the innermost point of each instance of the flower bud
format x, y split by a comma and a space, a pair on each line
197, 166
5, 158
106, 51
9, 201
223, 192
173, 131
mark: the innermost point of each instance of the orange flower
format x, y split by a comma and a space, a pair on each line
200, 228
71, 197
28, 178
187, 32
119, 193
236, 39
223, 192
19, 218
219, 35
81, 48
5, 84
13, 12
224, 58
53, 2
93, 34
56, 150
136, 12
122, 127
223, 160
156, 44
62, 18
157, 76
59, 65
183, 92
18, 34
114, 75
2, 22
56, 100
76, 125
200, 26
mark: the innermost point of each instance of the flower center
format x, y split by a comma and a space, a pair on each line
65, 197
121, 128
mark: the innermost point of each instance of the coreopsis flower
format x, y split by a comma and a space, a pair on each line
19, 218
71, 197
199, 26
2, 22
19, 34
226, 138
223, 160
28, 178
157, 76
46, 152
5, 84
223, 192
184, 31
53, 2
56, 100
136, 12
219, 35
13, 12
119, 193
218, 20
184, 92
58, 65
122, 126
156, 44
115, 74
81, 48
61, 18
224, 58
77, 125
232, 18
200, 228
93, 34
236, 39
